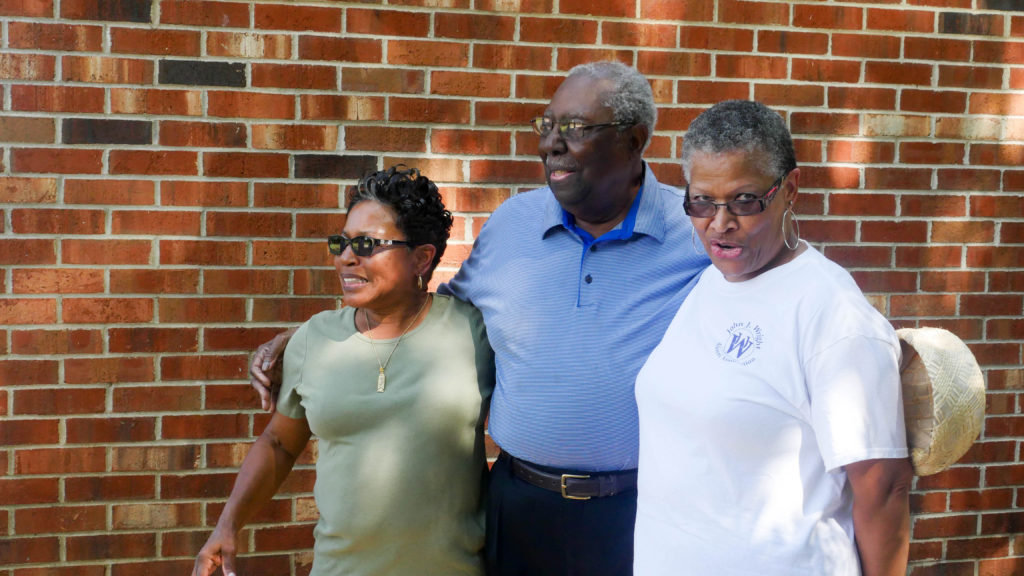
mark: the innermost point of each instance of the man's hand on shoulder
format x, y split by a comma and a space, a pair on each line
265, 370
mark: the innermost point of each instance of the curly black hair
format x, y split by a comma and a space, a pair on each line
420, 213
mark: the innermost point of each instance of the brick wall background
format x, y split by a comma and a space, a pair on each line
169, 169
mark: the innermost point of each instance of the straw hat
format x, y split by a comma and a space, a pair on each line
943, 397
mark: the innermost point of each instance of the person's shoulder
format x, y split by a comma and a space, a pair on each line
448, 304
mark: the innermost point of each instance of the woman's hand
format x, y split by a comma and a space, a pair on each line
881, 514
219, 551
265, 369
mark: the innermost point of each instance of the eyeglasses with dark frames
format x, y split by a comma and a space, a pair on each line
362, 246
570, 130
738, 207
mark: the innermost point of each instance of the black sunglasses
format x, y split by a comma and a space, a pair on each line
361, 245
744, 207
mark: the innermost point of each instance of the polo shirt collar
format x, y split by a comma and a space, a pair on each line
650, 215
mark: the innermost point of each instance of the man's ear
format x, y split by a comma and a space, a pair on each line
638, 134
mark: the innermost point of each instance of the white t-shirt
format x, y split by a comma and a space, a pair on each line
758, 395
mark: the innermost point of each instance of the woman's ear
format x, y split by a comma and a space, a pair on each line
423, 258
793, 186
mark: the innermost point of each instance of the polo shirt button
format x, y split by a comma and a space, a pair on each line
588, 279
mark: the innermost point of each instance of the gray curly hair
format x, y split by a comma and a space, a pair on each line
741, 125
630, 97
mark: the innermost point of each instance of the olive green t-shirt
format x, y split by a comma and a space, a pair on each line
400, 473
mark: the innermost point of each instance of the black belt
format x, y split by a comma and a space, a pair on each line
574, 486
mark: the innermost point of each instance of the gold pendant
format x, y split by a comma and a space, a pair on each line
380, 381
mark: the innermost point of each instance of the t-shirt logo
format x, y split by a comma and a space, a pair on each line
741, 343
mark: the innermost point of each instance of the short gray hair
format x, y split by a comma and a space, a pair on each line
741, 125
630, 98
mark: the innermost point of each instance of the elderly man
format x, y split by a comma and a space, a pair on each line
577, 283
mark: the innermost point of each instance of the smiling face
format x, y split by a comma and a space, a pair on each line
592, 178
741, 247
385, 280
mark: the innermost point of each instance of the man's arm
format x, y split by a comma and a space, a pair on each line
881, 514
265, 369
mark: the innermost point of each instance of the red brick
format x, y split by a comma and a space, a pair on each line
1004, 523
542, 30
998, 104
57, 281
952, 281
929, 256
861, 152
245, 282
390, 80
997, 206
154, 162
60, 161
248, 45
110, 429
30, 130
166, 281
101, 488
105, 251
205, 427
831, 17
817, 123
156, 101
60, 519
427, 53
204, 193
998, 52
200, 252
97, 69
446, 111
695, 10
203, 134
975, 500
898, 73
997, 154
204, 13
452, 83
861, 204
150, 41
977, 548
440, 170
331, 107
385, 138
933, 101
229, 397
106, 546
41, 98
793, 42
760, 12
943, 49
27, 311
945, 527
894, 231
251, 105
57, 221
298, 18
1000, 566
29, 490
971, 77
923, 304
929, 503
512, 57
885, 282
337, 49
59, 460
165, 222
901, 20
107, 370
109, 192
47, 342
48, 401
589, 8
991, 304
25, 550
27, 8
844, 231
668, 63
29, 190
890, 179
107, 310
392, 22
470, 142
145, 339
203, 368
710, 92
644, 34
192, 310
931, 153
966, 179
317, 283
245, 165
28, 372
747, 66
995, 257
290, 309
14, 66
294, 76
138, 458
506, 172
151, 398
825, 71
155, 515
287, 195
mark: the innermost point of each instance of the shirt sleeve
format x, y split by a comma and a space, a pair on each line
289, 402
856, 401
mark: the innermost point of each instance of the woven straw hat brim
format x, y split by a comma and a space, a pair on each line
943, 398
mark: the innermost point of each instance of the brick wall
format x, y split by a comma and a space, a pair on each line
169, 169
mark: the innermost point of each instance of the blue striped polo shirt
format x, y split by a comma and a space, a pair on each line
572, 320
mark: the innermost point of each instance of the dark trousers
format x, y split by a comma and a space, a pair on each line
535, 532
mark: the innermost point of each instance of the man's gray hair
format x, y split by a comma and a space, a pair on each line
741, 125
630, 97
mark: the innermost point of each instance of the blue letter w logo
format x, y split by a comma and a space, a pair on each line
740, 343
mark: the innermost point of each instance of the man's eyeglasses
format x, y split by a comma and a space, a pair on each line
571, 130
361, 245
739, 207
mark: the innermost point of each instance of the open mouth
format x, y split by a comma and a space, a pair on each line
725, 249
350, 282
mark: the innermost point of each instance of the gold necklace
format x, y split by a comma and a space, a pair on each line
381, 380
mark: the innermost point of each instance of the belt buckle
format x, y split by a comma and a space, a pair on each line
569, 496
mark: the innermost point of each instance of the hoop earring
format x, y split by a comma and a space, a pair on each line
693, 242
419, 282
794, 225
